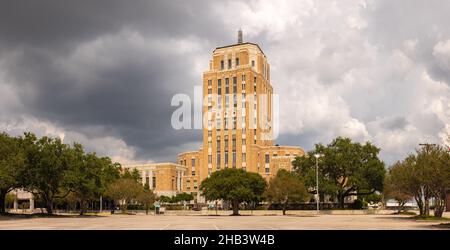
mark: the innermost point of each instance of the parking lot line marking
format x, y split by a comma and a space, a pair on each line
166, 226
272, 228
217, 228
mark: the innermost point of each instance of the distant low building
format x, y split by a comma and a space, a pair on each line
163, 178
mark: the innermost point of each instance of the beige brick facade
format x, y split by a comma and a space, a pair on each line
163, 178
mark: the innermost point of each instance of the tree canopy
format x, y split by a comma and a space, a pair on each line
422, 176
286, 188
346, 168
234, 185
12, 161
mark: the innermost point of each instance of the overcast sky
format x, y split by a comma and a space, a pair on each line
103, 72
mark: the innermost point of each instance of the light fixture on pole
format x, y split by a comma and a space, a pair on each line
317, 180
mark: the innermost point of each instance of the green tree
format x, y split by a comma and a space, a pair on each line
434, 163
12, 161
124, 191
184, 197
47, 162
88, 175
424, 175
133, 174
165, 199
234, 185
393, 188
286, 188
345, 169
146, 197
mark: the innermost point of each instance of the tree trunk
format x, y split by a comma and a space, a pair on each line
82, 207
284, 209
146, 209
341, 200
2, 201
235, 207
427, 206
49, 206
439, 206
419, 204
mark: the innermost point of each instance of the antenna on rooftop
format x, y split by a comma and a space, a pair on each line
240, 36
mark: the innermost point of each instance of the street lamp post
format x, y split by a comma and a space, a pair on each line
317, 180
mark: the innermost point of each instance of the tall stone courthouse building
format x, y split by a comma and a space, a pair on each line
237, 125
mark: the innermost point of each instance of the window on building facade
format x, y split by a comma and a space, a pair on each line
267, 158
209, 82
237, 61
244, 157
267, 170
229, 63
193, 162
209, 159
195, 184
234, 158
243, 142
226, 157
218, 160
193, 172
154, 182
253, 63
188, 184
209, 91
218, 123
222, 66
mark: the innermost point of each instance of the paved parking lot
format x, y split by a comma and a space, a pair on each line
193, 222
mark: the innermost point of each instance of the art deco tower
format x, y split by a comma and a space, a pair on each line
237, 117
237, 106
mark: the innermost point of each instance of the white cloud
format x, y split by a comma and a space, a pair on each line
441, 52
343, 83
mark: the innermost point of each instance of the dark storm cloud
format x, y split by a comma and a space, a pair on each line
104, 72
54, 23
128, 95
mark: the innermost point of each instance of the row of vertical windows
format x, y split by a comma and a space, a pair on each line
227, 81
237, 63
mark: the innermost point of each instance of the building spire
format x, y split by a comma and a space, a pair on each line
240, 36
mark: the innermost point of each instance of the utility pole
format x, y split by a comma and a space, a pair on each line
317, 180
101, 203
